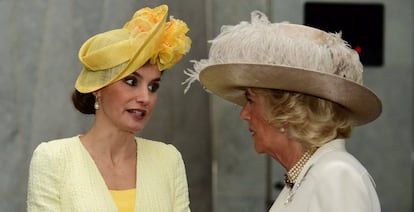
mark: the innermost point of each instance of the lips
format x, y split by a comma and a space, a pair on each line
252, 132
138, 112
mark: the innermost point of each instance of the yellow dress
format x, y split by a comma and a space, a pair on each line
124, 199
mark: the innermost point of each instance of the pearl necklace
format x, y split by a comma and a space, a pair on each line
292, 175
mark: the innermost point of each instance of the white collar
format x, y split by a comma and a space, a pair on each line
334, 145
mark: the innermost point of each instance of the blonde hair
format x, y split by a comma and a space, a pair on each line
309, 120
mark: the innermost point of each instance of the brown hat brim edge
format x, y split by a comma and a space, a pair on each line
230, 81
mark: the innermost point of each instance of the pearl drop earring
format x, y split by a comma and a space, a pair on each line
96, 105
282, 129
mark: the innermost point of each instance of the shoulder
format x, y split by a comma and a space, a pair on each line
157, 146
157, 150
55, 148
49, 158
333, 157
338, 180
337, 161
57, 144
164, 156
340, 168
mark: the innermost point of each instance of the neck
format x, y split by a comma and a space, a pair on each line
294, 172
290, 154
109, 143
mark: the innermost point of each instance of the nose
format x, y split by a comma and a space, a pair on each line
244, 113
143, 95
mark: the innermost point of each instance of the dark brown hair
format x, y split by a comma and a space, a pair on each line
83, 102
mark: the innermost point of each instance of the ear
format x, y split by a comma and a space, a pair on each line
97, 93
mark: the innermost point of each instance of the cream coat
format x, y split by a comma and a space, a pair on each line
63, 177
331, 181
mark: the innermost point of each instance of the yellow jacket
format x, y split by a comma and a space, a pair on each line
63, 177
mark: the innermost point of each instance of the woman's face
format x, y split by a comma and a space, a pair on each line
128, 103
266, 137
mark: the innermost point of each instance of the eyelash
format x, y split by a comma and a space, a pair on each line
132, 81
153, 87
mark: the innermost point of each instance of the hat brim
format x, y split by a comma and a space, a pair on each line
230, 81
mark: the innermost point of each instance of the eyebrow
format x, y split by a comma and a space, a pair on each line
247, 93
140, 76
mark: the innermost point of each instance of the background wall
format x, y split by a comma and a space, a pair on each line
39, 41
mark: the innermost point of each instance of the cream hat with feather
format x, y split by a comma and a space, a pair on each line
287, 57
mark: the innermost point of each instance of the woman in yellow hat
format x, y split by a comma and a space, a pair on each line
109, 168
301, 92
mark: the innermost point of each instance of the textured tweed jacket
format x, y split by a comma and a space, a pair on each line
331, 181
64, 177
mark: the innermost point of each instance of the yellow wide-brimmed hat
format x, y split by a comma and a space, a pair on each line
288, 57
110, 56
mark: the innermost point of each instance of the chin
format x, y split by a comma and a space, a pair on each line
134, 129
138, 130
258, 150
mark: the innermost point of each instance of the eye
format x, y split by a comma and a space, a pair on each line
131, 81
153, 87
248, 98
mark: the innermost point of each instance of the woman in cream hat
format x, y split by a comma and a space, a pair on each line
301, 92
109, 168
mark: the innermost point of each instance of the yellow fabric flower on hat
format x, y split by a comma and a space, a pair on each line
143, 20
173, 45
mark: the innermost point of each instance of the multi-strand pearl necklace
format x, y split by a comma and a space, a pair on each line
293, 173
